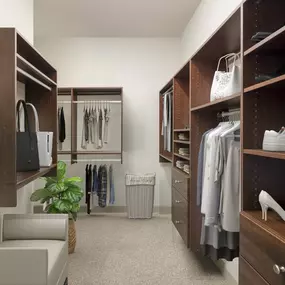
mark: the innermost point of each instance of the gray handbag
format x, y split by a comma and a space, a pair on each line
27, 143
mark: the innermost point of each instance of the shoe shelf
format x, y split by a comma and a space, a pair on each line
274, 224
217, 105
182, 172
263, 153
272, 83
272, 44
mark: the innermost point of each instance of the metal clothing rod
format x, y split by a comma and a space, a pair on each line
90, 101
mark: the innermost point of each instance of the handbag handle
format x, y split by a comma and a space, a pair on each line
224, 57
26, 118
37, 125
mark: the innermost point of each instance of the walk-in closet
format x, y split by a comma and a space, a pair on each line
142, 142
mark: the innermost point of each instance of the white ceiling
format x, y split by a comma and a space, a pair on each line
113, 18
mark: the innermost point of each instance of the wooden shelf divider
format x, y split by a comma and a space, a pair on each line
182, 142
220, 104
165, 158
182, 156
181, 130
263, 153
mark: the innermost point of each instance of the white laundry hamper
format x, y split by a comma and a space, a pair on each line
140, 195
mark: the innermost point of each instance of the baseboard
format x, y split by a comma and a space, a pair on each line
162, 210
229, 278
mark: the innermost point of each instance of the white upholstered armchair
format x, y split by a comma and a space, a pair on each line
34, 249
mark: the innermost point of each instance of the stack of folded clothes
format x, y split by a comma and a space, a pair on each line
183, 137
183, 151
186, 168
180, 164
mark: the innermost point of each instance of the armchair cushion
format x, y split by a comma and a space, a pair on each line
35, 226
57, 252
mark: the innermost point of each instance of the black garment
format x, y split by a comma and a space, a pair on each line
102, 189
86, 122
101, 125
61, 132
88, 185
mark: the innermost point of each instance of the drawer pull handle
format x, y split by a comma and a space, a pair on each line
178, 202
178, 222
178, 181
278, 269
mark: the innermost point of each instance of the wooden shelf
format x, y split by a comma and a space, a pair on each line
97, 152
273, 43
167, 159
64, 152
182, 171
180, 141
217, 105
263, 153
24, 65
181, 130
272, 83
182, 156
25, 77
274, 224
24, 178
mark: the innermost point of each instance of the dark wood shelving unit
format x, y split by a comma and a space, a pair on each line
263, 153
75, 93
21, 62
187, 175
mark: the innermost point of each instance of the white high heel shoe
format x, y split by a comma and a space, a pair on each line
266, 201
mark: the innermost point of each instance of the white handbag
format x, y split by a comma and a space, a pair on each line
45, 140
226, 83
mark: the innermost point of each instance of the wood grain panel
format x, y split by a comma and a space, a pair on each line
180, 182
8, 194
247, 274
180, 215
262, 249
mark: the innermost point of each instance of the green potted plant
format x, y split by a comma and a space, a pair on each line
61, 195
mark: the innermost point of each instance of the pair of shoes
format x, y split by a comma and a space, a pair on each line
273, 141
266, 201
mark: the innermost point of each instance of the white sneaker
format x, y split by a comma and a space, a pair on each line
273, 141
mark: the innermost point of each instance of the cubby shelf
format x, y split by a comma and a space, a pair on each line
273, 225
182, 171
165, 158
182, 156
273, 43
225, 103
182, 142
263, 153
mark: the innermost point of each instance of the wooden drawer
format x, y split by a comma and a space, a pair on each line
181, 182
180, 214
248, 276
261, 249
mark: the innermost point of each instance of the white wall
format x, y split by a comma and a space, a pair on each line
19, 14
209, 15
141, 66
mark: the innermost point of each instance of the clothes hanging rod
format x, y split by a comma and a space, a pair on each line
168, 91
89, 101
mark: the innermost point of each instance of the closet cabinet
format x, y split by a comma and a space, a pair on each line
20, 62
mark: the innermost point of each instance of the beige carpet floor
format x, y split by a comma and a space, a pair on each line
112, 249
